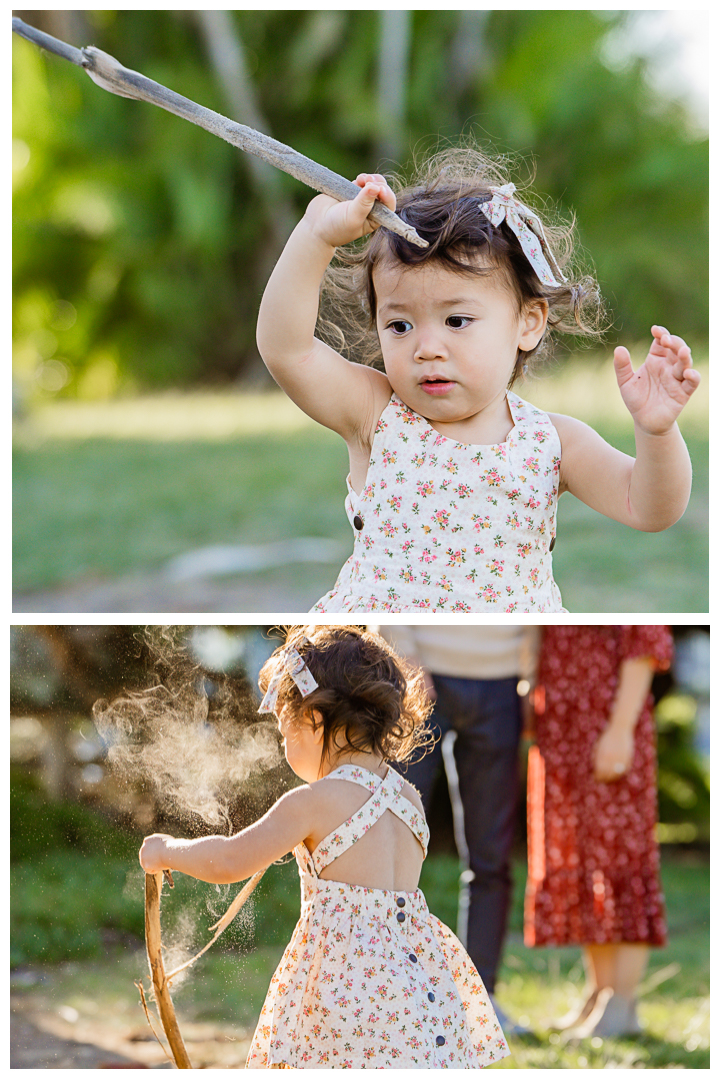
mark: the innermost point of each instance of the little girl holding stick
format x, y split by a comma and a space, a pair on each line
370, 979
454, 479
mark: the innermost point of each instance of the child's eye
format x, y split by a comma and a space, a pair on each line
399, 326
456, 322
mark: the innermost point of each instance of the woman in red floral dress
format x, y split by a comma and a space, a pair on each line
593, 859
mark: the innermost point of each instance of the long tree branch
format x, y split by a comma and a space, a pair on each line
108, 73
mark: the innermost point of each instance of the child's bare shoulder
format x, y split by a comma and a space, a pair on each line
413, 796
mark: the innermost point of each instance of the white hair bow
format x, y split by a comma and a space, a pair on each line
293, 663
527, 227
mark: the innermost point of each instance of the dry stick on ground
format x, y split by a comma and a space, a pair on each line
153, 943
108, 73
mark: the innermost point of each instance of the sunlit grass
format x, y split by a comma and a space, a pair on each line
106, 489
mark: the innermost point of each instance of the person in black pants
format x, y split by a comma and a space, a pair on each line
482, 715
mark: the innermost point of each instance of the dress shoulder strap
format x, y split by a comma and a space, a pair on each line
385, 795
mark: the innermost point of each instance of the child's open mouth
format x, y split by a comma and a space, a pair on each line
436, 385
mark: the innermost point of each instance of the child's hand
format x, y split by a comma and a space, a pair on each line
338, 223
154, 853
658, 391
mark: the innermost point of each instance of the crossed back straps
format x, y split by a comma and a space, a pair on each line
385, 795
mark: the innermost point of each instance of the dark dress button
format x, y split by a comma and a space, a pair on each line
400, 901
440, 1040
358, 522
552, 544
431, 997
413, 957
400, 916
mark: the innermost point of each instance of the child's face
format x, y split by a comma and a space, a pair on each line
450, 341
302, 744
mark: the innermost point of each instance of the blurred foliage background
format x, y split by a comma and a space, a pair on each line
141, 243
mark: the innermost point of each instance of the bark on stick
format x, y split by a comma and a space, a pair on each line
108, 73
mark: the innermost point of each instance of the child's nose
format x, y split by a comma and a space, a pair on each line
430, 346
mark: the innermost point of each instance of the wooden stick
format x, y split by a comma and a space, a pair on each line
108, 73
166, 1009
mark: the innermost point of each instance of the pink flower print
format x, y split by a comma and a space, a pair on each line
427, 556
480, 522
368, 491
418, 460
451, 466
407, 546
534, 574
533, 504
532, 464
493, 477
433, 461
387, 528
472, 575
393, 595
389, 457
488, 593
511, 607
425, 489
425, 577
441, 517
513, 520
415, 508
383, 485
498, 541
496, 567
422, 603
541, 436
446, 585
381, 425
400, 477
514, 494
524, 550
409, 417
395, 502
479, 550
407, 575
464, 491
380, 573
426, 528
455, 558
459, 605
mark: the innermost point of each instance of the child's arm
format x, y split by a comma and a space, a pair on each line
224, 859
651, 491
341, 395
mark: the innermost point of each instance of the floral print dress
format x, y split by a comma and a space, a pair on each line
447, 526
370, 979
593, 856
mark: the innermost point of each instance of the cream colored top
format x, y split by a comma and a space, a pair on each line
468, 652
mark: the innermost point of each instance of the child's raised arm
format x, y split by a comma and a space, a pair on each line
341, 395
651, 491
224, 859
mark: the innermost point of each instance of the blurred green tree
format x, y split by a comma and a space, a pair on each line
141, 244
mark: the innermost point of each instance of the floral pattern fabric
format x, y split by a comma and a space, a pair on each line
447, 526
593, 858
370, 979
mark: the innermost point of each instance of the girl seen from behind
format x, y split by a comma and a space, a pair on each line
370, 979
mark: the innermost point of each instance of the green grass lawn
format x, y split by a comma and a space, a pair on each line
228, 987
106, 489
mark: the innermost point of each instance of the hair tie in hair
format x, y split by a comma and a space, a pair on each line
293, 663
503, 206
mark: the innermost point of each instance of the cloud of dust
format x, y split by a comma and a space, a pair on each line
193, 742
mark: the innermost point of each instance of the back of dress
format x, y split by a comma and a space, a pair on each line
370, 979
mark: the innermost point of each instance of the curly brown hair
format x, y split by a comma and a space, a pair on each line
441, 201
367, 694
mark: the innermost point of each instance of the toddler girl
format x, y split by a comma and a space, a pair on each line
370, 979
454, 479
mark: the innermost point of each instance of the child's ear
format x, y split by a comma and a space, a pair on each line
318, 726
534, 323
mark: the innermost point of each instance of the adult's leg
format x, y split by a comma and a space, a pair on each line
423, 773
486, 715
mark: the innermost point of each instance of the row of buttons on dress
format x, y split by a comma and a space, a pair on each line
440, 1039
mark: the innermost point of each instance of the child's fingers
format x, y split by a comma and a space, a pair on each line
623, 363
